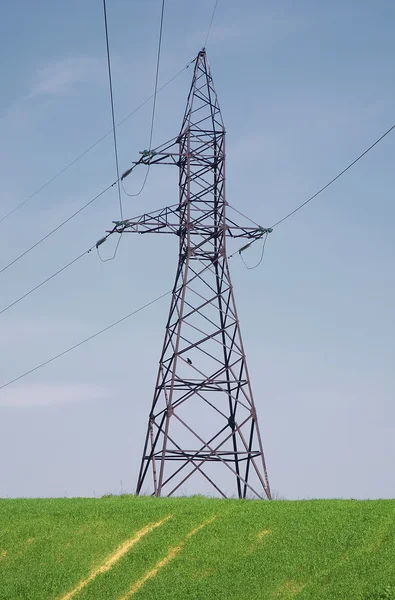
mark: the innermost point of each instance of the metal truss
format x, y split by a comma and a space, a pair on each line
203, 411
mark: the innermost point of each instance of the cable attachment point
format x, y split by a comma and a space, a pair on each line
148, 153
120, 223
244, 247
127, 172
101, 241
144, 154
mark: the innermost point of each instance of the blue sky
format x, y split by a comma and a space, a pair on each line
304, 88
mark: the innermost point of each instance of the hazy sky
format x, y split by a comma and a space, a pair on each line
304, 88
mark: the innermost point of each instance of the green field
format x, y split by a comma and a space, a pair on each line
196, 548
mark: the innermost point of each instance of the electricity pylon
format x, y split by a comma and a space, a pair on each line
203, 410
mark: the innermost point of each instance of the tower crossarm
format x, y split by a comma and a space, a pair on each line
166, 154
251, 233
167, 220
164, 220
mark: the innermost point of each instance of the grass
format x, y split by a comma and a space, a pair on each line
207, 550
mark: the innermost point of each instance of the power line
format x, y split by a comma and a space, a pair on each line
261, 257
154, 102
112, 108
167, 293
157, 73
56, 228
334, 179
104, 260
85, 340
101, 241
45, 281
304, 203
242, 214
211, 23
47, 183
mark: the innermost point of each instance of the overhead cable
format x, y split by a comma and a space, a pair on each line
335, 178
104, 260
99, 243
153, 104
308, 200
91, 337
211, 23
112, 108
56, 228
250, 268
45, 281
242, 214
47, 183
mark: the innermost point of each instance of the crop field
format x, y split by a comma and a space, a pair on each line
196, 548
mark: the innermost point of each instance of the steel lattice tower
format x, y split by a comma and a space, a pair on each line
203, 410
